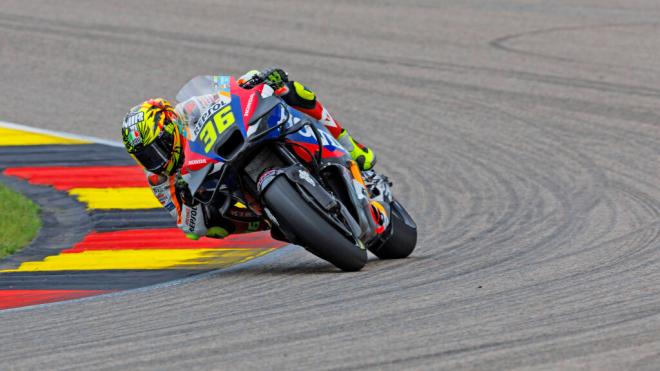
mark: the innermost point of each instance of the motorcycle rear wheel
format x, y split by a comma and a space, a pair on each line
295, 215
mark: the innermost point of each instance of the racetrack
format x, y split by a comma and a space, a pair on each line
523, 136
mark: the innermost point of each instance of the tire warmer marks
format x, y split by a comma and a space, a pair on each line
103, 230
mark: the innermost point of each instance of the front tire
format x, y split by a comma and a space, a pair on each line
404, 236
296, 216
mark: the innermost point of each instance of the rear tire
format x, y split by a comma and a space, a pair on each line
294, 215
402, 241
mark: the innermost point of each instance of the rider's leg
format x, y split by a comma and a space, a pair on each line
305, 100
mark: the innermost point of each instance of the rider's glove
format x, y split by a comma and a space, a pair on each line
192, 221
276, 78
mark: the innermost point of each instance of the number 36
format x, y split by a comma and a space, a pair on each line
215, 125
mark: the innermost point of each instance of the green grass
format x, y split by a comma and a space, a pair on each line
19, 222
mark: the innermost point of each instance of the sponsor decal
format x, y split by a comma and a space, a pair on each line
248, 107
134, 135
208, 99
221, 83
162, 198
266, 177
327, 119
241, 213
190, 218
213, 109
162, 193
326, 138
134, 119
198, 161
306, 177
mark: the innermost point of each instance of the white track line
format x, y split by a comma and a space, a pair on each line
261, 260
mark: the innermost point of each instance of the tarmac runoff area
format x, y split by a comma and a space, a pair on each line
103, 230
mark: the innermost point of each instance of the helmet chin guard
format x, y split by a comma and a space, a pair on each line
151, 135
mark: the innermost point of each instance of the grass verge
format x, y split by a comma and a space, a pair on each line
19, 223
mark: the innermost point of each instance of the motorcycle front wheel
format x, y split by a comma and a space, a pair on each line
294, 215
403, 235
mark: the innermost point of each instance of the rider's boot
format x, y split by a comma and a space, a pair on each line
365, 157
380, 195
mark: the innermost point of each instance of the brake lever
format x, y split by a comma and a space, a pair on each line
252, 82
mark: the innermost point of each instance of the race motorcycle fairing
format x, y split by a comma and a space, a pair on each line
249, 146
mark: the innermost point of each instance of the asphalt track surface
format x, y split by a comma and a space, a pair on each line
523, 136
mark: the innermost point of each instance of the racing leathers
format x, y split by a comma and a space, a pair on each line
196, 219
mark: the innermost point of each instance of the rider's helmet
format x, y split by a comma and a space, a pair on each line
151, 134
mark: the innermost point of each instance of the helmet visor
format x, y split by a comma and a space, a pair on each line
155, 156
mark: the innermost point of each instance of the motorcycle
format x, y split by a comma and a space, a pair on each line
246, 146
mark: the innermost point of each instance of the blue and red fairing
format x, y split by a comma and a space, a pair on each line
305, 138
244, 103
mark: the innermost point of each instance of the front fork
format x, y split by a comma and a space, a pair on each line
359, 217
373, 211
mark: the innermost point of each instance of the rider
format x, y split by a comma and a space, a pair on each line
152, 134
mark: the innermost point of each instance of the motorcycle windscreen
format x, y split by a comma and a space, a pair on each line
204, 85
